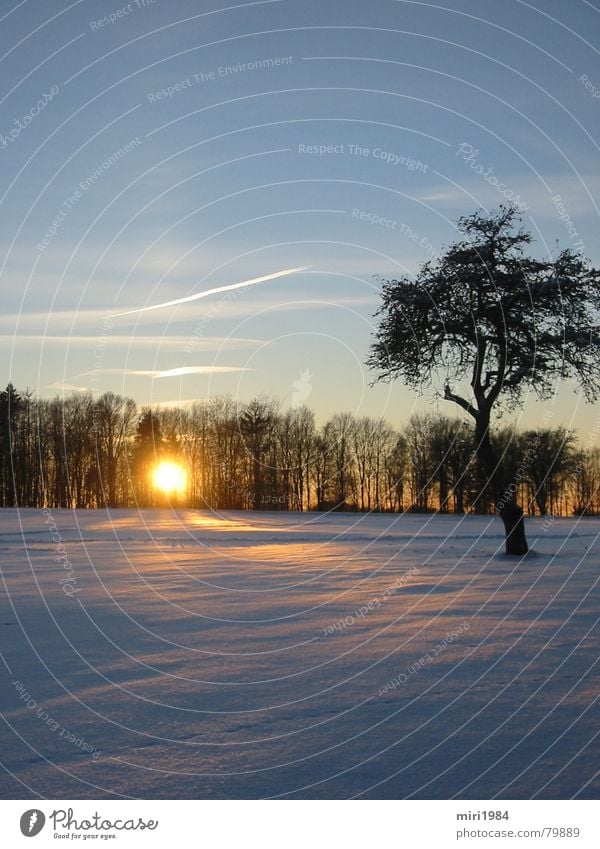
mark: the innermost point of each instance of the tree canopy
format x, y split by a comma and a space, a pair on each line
486, 313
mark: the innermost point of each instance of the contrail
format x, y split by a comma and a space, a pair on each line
215, 291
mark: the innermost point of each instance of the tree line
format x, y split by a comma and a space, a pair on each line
87, 452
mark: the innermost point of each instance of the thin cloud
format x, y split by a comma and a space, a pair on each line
176, 403
178, 372
216, 291
577, 194
67, 387
173, 372
179, 330
207, 342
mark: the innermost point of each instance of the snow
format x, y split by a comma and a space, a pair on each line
185, 654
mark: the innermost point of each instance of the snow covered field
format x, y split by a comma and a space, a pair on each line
189, 655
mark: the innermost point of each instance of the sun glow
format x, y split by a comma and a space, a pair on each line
170, 478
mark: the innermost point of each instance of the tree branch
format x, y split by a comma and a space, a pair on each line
478, 368
469, 408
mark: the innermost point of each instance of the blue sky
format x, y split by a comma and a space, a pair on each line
182, 147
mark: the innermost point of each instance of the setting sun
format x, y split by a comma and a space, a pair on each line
170, 478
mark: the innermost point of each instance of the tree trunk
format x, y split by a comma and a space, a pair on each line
509, 511
514, 527
459, 495
443, 481
257, 481
541, 500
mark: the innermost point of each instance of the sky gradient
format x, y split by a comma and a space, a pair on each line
152, 151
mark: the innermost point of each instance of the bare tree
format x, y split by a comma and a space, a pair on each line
548, 463
257, 423
421, 467
503, 322
114, 425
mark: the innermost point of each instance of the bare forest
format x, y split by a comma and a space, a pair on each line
85, 452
